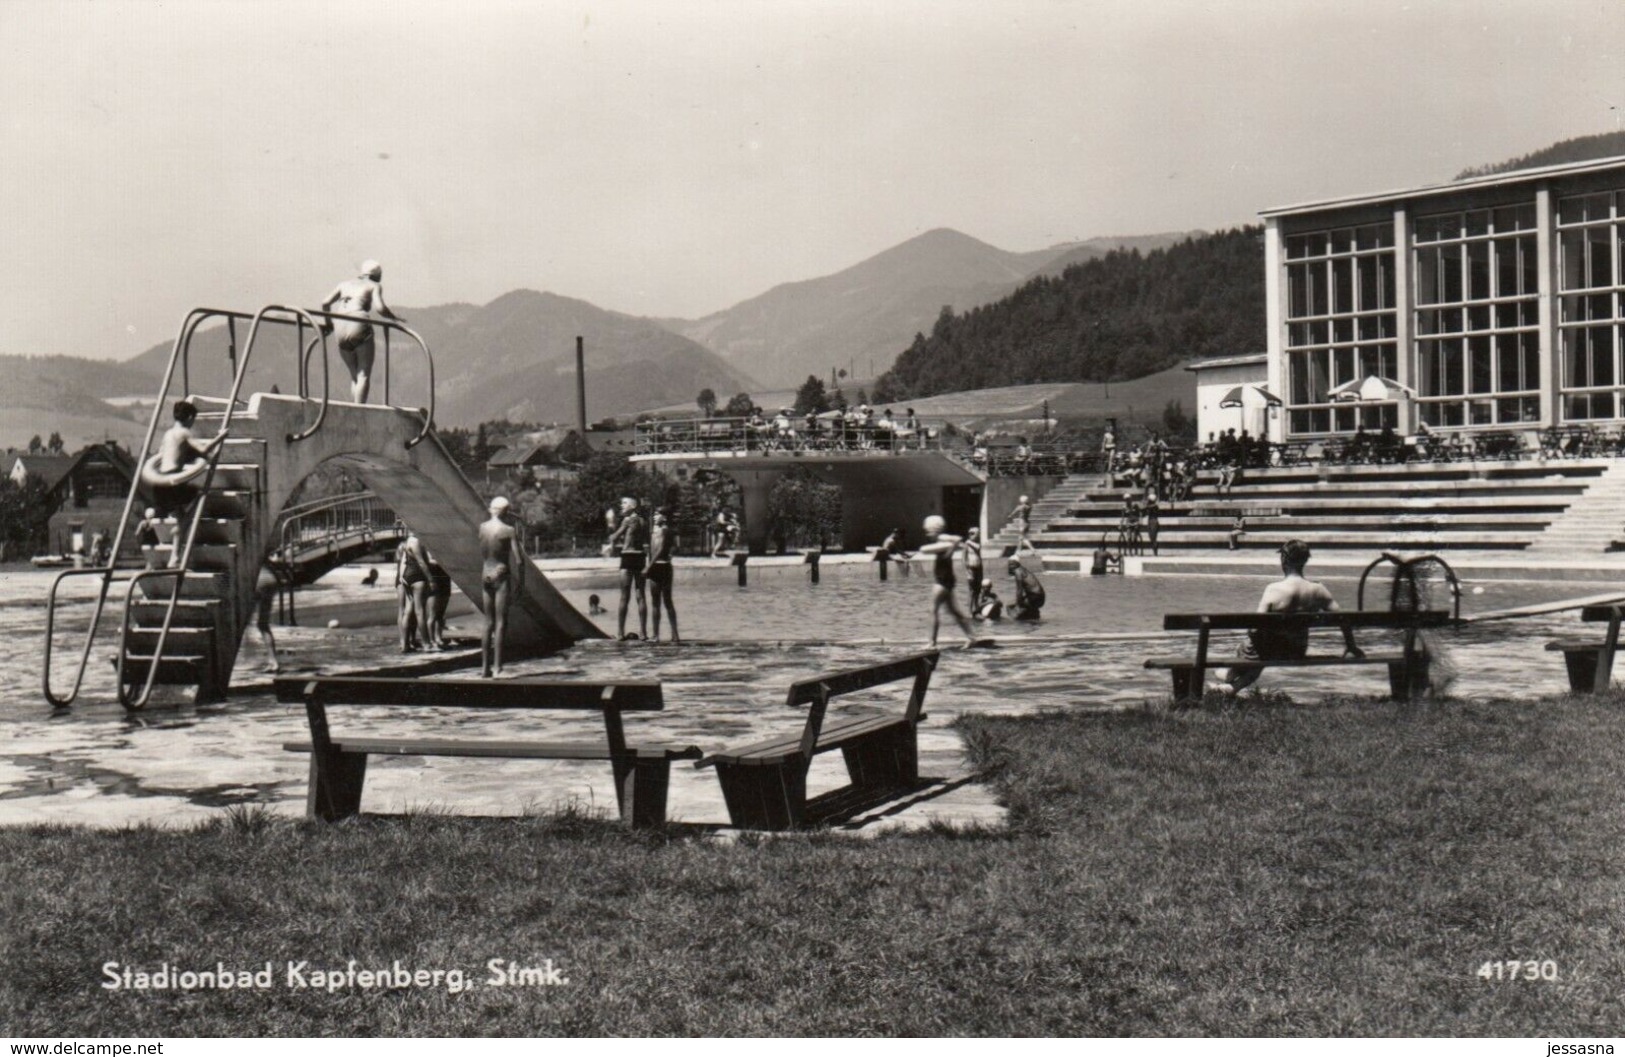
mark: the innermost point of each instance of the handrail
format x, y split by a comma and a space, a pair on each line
183, 338
367, 501
388, 325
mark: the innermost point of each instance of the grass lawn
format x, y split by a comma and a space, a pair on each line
1330, 870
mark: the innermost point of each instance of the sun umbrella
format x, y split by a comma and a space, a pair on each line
1256, 395
1371, 387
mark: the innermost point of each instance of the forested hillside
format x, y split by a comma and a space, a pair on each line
1581, 148
1123, 316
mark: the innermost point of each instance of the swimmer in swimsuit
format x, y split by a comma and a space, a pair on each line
1293, 593
1023, 515
973, 567
415, 578
1029, 592
942, 547
632, 537
265, 587
501, 577
662, 545
361, 296
181, 458
439, 597
146, 537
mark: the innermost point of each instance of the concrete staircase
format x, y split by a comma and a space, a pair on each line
1055, 504
1592, 523
1480, 506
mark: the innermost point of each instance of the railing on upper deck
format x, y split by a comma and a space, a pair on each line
747, 436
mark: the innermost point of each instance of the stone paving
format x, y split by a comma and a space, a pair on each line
95, 766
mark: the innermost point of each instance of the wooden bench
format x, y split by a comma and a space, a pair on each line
1407, 668
338, 764
765, 784
1591, 663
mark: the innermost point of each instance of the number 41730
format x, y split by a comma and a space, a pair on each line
1514, 970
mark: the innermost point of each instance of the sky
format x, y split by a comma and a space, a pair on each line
675, 157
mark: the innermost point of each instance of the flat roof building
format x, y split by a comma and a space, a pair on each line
1489, 303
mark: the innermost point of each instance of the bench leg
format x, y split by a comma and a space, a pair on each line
1408, 682
640, 787
889, 758
1185, 688
1583, 668
336, 779
773, 798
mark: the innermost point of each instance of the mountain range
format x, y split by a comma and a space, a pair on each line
514, 358
859, 319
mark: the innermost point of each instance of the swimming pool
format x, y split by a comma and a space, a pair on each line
746, 645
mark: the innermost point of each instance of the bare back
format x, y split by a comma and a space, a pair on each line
176, 449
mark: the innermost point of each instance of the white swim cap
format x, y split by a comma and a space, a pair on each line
499, 503
934, 525
1023, 499
372, 269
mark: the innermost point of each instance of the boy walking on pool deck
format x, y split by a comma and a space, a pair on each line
1293, 593
502, 576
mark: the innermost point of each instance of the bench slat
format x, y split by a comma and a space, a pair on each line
630, 696
518, 750
1567, 644
1216, 661
853, 679
775, 750
1430, 618
1598, 614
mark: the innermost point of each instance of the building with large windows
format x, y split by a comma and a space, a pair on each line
1490, 303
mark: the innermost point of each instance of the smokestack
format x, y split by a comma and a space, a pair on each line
581, 389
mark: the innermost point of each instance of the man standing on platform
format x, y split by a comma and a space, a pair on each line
502, 576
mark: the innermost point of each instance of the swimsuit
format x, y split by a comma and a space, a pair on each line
942, 570
146, 535
439, 578
660, 574
495, 574
412, 572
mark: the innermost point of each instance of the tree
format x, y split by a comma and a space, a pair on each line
1176, 423
740, 406
811, 399
35, 445
803, 510
707, 401
863, 397
604, 479
482, 446
55, 443
25, 511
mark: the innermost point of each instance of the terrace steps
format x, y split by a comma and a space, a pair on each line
1572, 505
1055, 503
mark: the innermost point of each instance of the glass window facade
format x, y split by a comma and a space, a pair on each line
1476, 318
1341, 324
1590, 245
1485, 344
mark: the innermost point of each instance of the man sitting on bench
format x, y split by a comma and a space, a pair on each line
1293, 593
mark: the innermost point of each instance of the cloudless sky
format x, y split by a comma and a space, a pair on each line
674, 157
